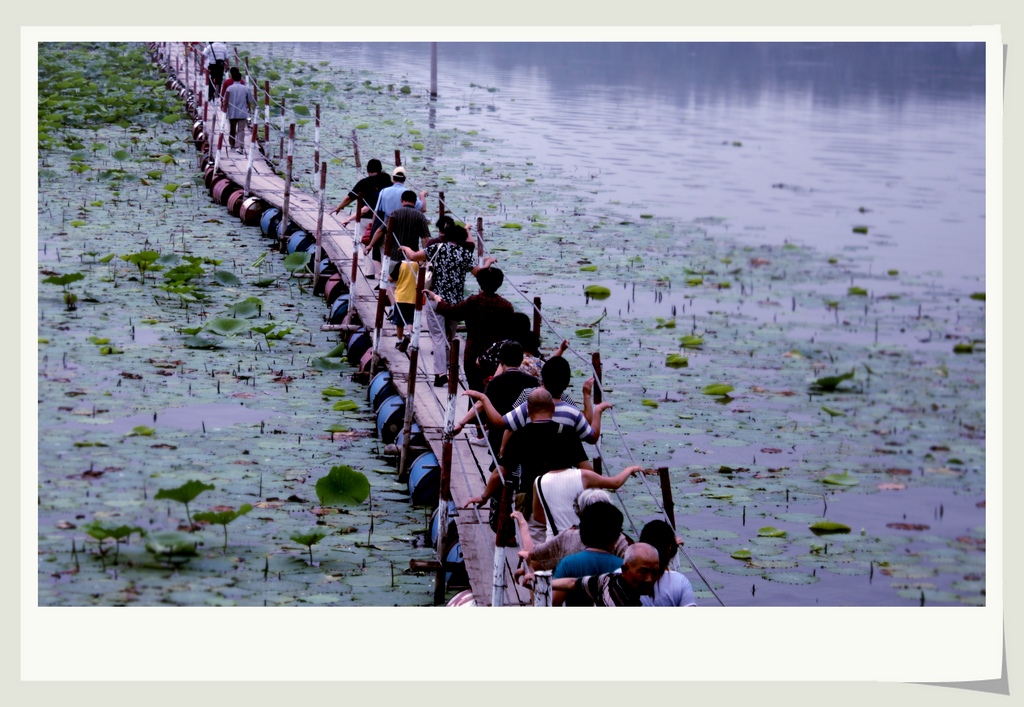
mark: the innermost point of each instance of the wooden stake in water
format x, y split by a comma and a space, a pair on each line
666, 495
355, 150
266, 113
316, 146
480, 241
382, 295
414, 352
433, 69
252, 157
536, 316
320, 223
282, 229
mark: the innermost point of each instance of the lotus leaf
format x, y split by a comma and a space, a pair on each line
172, 547
833, 413
770, 532
227, 326
826, 527
843, 479
343, 485
296, 261
717, 389
245, 309
345, 406
674, 360
332, 392
325, 364
200, 342
597, 292
227, 279
691, 342
741, 555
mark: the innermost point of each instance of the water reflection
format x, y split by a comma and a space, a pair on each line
885, 135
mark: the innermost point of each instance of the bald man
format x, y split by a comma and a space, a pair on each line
641, 568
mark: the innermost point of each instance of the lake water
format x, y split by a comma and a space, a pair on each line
788, 142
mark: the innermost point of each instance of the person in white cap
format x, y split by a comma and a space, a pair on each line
389, 200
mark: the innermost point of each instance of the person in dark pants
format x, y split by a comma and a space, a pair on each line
216, 54
237, 101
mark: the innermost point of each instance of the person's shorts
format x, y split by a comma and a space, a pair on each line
403, 314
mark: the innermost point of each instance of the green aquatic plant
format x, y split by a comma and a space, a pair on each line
826, 527
227, 326
184, 494
674, 360
843, 479
222, 518
829, 383
172, 548
143, 260
70, 298
102, 532
309, 540
717, 389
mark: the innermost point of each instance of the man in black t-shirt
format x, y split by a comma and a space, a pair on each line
503, 389
539, 447
369, 187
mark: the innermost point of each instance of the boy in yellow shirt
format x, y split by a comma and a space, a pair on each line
405, 301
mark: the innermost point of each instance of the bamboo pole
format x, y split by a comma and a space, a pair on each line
398, 158
440, 205
216, 157
414, 353
282, 230
346, 322
320, 231
355, 150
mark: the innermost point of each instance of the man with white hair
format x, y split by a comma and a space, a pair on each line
640, 570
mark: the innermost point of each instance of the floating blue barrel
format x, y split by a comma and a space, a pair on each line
268, 216
424, 478
338, 310
390, 417
327, 268
300, 240
453, 531
418, 441
358, 344
381, 388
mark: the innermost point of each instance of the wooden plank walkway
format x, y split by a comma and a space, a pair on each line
469, 462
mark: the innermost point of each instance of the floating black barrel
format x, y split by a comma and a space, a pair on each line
358, 344
418, 440
339, 310
453, 529
224, 195
235, 201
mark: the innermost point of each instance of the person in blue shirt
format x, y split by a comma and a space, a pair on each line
600, 527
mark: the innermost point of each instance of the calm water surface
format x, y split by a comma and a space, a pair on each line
787, 142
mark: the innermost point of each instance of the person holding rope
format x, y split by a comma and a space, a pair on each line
672, 588
369, 187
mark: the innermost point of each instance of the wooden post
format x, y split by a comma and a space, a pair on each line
280, 147
355, 150
248, 166
595, 360
357, 234
188, 60
282, 230
479, 241
414, 354
666, 495
536, 316
216, 157
352, 288
320, 230
382, 297
440, 205
266, 113
542, 588
398, 158
316, 143
504, 509
206, 83
433, 69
